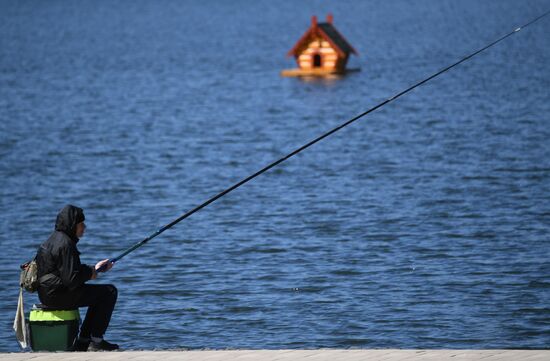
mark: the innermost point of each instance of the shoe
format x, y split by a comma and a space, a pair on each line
80, 346
102, 346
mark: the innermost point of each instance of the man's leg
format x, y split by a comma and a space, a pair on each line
100, 300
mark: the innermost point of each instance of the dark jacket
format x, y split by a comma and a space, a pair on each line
58, 260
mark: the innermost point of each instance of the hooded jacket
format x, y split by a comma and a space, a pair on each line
58, 259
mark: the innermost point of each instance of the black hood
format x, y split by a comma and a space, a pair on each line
67, 219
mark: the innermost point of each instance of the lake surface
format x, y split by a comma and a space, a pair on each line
424, 225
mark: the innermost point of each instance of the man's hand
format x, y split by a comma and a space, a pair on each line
108, 265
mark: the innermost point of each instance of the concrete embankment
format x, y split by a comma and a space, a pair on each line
288, 355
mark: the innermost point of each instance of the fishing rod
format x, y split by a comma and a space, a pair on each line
316, 140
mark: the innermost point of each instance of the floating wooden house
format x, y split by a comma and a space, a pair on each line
322, 50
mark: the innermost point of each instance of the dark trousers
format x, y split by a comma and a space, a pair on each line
100, 300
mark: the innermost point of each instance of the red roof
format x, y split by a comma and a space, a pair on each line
325, 31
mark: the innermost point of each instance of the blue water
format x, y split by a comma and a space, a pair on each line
424, 225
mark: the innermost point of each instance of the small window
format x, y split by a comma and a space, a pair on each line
317, 60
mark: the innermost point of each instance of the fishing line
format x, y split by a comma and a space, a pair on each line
316, 140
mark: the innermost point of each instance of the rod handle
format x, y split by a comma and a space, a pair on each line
102, 268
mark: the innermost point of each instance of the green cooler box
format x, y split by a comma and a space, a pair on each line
53, 329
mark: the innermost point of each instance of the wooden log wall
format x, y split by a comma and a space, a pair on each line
329, 57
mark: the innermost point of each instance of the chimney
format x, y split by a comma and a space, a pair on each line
314, 21
330, 18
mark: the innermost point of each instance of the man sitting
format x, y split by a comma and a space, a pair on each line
63, 280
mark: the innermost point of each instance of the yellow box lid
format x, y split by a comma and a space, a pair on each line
57, 315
